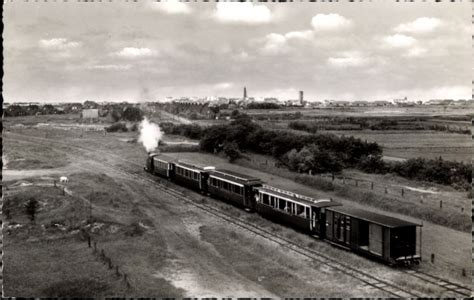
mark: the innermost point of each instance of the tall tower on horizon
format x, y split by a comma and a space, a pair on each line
245, 92
301, 98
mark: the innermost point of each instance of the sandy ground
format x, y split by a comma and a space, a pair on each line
197, 253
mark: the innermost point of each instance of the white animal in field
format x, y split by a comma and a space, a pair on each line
63, 179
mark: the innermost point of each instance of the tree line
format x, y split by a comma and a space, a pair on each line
318, 153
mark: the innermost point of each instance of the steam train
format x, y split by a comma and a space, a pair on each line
384, 238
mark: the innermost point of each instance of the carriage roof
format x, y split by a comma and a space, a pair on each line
283, 194
372, 217
235, 177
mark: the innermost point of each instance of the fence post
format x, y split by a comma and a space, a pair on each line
463, 272
403, 192
88, 241
117, 271
95, 246
440, 203
432, 258
110, 263
372, 185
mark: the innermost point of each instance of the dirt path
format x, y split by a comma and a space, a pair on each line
208, 257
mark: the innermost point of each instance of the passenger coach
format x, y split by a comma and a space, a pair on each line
385, 238
160, 164
233, 187
192, 175
302, 212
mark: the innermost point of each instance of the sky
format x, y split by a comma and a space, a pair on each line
146, 51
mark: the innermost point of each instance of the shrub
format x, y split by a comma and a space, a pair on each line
31, 207
231, 150
117, 127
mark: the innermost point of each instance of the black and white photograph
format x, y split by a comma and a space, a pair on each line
237, 149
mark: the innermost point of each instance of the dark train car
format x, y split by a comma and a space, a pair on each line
192, 175
161, 165
233, 187
389, 239
304, 213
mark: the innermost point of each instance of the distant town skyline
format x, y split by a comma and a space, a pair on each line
146, 51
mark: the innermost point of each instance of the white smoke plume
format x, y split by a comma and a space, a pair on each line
150, 135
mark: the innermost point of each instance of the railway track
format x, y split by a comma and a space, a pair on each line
366, 278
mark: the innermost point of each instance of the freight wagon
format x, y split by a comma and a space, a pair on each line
382, 237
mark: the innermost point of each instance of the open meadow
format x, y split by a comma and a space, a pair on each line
154, 244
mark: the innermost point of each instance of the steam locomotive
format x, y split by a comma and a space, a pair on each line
384, 238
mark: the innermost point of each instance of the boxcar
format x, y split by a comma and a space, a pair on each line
161, 165
301, 212
233, 187
389, 239
192, 175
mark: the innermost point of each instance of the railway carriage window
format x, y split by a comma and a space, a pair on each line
300, 210
224, 185
265, 200
307, 213
282, 205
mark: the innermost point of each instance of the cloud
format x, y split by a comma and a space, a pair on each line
399, 41
274, 43
329, 22
58, 44
242, 56
131, 52
223, 85
242, 12
347, 59
109, 67
171, 7
416, 52
420, 25
302, 35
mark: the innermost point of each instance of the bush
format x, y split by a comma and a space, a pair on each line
132, 114
263, 105
191, 131
232, 152
117, 127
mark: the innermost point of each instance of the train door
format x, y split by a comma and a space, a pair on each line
329, 224
249, 196
315, 221
375, 239
203, 181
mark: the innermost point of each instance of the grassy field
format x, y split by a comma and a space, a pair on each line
165, 246
409, 144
